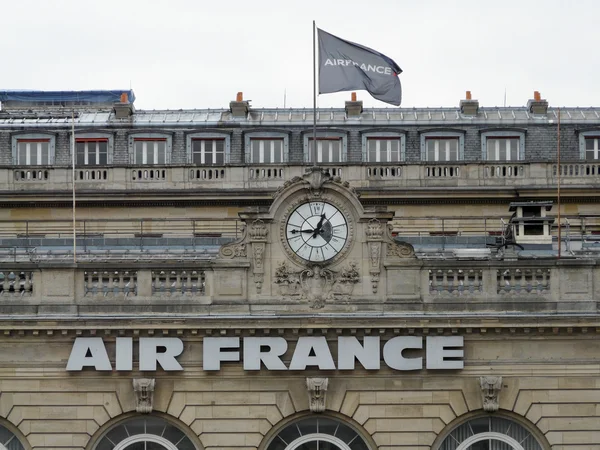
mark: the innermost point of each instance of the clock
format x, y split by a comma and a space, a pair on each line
316, 231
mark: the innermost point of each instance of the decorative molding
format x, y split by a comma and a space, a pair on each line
258, 250
236, 249
258, 231
374, 230
316, 284
400, 250
490, 392
144, 394
317, 392
374, 264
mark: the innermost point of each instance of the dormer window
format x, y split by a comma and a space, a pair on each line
33, 150
442, 146
330, 147
208, 149
502, 145
150, 149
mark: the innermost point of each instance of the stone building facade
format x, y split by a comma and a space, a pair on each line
220, 290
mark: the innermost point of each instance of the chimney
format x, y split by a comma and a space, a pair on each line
123, 109
354, 107
537, 105
468, 106
239, 108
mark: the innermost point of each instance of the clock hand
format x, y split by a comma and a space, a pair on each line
317, 230
301, 231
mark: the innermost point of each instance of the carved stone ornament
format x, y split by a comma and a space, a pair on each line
374, 230
374, 269
490, 392
236, 249
258, 231
144, 394
316, 284
315, 178
317, 391
258, 250
400, 250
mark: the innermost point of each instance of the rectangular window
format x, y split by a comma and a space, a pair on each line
503, 148
92, 152
592, 148
442, 149
329, 150
33, 152
266, 151
383, 149
150, 151
209, 152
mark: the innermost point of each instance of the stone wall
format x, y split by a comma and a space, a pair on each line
549, 383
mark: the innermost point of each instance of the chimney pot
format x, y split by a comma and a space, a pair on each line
537, 105
468, 106
239, 108
353, 96
124, 98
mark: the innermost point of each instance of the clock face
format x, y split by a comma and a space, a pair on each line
316, 231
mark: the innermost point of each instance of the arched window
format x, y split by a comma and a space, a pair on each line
8, 440
145, 433
317, 433
490, 433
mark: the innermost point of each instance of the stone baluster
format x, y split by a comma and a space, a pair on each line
121, 283
27, 285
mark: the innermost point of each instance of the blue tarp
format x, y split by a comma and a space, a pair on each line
66, 96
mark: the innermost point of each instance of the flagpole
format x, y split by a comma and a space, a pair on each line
558, 184
73, 161
314, 149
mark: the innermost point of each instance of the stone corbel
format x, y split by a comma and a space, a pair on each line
257, 234
374, 234
144, 394
490, 392
317, 390
258, 253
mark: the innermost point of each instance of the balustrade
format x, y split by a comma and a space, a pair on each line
110, 283
16, 283
23, 175
455, 282
178, 282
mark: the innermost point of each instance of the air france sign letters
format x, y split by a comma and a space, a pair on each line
399, 353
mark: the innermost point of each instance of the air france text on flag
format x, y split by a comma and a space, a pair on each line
346, 66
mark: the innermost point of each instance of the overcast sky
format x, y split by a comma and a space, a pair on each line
199, 53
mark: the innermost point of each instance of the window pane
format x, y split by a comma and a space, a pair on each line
431, 150
589, 143
372, 150
103, 150
277, 150
160, 152
22, 154
80, 147
139, 152
255, 149
335, 151
44, 152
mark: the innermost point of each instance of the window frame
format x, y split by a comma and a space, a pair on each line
326, 136
266, 135
208, 136
384, 136
41, 137
583, 136
441, 135
502, 135
90, 137
150, 137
